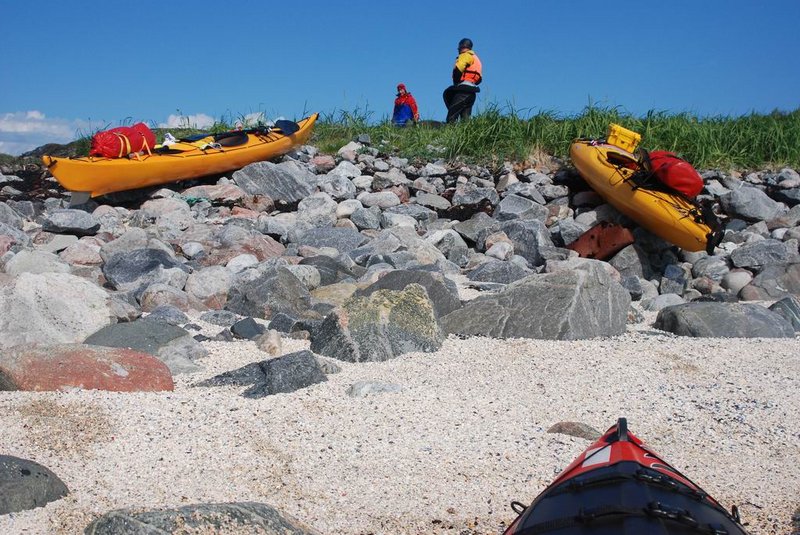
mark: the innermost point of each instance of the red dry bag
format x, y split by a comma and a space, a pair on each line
121, 141
676, 173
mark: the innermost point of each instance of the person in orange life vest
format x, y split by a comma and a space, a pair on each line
405, 107
467, 75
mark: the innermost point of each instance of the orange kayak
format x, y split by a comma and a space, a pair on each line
93, 176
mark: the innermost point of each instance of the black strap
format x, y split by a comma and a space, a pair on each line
604, 512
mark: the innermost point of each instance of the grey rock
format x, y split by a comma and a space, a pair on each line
470, 194
527, 190
341, 239
238, 517
566, 231
662, 301
479, 225
517, 207
528, 237
331, 270
632, 261
171, 344
674, 280
751, 204
789, 308
224, 318
390, 220
418, 212
16, 234
338, 187
760, 254
317, 210
380, 327
442, 292
286, 181
70, 221
566, 305
129, 270
498, 272
167, 314
736, 279
385, 243
434, 202
247, 329
381, 199
393, 177
451, 244
713, 267
51, 308
27, 485
723, 320
133, 239
367, 218
275, 290
27, 261
284, 374
773, 282
10, 217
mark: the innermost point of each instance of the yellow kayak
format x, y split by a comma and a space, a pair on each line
93, 176
611, 172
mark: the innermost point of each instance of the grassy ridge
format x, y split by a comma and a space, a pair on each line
500, 134
747, 142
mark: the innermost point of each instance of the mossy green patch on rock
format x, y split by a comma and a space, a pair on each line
380, 326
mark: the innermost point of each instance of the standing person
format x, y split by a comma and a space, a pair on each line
467, 75
405, 107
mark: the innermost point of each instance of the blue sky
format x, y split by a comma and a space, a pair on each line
73, 67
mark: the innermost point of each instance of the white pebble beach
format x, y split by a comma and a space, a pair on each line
465, 435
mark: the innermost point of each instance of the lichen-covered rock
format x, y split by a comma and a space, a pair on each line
380, 327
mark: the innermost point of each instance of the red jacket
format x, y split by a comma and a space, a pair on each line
402, 105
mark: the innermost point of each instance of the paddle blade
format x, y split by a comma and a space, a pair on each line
287, 127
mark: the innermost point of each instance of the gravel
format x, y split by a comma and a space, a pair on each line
463, 437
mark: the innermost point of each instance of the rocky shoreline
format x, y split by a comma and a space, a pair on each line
299, 285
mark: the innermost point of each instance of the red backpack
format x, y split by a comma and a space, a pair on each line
676, 173
121, 141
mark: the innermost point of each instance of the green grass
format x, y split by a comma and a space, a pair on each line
747, 142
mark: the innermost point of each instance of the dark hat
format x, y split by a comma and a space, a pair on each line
465, 43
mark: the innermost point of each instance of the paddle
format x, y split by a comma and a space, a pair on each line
284, 125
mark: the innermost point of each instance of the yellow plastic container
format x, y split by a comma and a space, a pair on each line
622, 137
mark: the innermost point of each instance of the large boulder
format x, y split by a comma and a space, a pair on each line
284, 374
723, 320
750, 204
218, 518
51, 308
141, 267
275, 290
761, 253
380, 326
26, 485
70, 221
565, 305
789, 308
62, 366
773, 282
442, 292
171, 344
31, 261
285, 182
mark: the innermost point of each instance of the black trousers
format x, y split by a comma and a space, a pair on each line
459, 100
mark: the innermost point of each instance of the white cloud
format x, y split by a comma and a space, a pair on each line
25, 130
200, 120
